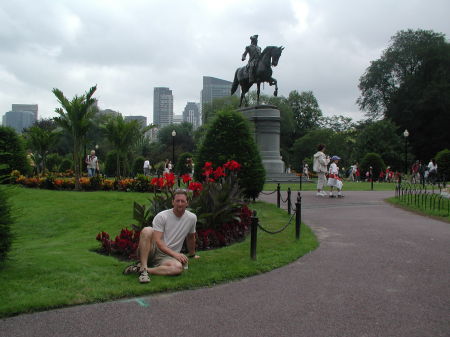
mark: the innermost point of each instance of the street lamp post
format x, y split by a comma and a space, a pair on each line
406, 135
174, 133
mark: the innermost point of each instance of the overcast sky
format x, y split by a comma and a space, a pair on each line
128, 47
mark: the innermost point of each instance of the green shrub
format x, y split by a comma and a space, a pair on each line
111, 164
138, 166
6, 221
443, 163
54, 161
181, 167
229, 138
374, 160
66, 164
12, 152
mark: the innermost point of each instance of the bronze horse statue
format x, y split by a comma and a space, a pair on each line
269, 57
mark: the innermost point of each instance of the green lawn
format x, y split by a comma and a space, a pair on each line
348, 186
52, 263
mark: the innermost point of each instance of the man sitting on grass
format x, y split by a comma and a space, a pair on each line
160, 246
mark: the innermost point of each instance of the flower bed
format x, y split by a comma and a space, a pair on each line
222, 215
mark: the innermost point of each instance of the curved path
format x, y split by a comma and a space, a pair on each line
379, 271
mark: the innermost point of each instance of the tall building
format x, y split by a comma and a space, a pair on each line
191, 114
177, 119
141, 119
27, 107
21, 116
162, 106
215, 88
18, 120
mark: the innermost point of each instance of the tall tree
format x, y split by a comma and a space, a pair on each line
407, 53
41, 141
123, 136
75, 116
410, 84
305, 110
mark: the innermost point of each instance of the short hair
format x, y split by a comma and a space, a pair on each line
179, 191
320, 147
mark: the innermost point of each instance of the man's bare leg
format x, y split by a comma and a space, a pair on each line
145, 245
168, 267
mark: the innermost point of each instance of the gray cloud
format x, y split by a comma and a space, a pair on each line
127, 48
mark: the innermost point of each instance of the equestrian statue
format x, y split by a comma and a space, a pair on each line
258, 69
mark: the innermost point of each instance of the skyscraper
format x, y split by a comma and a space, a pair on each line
21, 116
27, 107
191, 114
18, 120
215, 88
162, 106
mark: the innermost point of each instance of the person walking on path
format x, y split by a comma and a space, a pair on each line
333, 177
160, 246
92, 164
320, 167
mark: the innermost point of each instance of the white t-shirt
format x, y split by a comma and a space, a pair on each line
91, 161
175, 228
334, 169
146, 164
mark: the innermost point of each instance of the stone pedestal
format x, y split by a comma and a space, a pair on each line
266, 121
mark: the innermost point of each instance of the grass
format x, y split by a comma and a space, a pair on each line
52, 263
348, 186
434, 213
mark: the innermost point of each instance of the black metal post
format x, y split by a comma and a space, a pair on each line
298, 216
253, 235
289, 200
406, 155
173, 151
278, 196
371, 178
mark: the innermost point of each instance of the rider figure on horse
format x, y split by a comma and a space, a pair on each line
254, 52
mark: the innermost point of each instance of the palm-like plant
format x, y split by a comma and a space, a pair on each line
123, 136
75, 116
40, 141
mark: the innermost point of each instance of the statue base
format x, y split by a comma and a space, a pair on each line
266, 131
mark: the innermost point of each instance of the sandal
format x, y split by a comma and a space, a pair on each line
132, 269
144, 277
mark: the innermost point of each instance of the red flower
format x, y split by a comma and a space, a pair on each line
207, 169
196, 187
170, 179
154, 181
186, 178
219, 172
232, 165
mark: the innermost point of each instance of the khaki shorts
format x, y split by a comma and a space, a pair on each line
156, 257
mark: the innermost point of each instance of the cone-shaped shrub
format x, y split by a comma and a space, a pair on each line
229, 138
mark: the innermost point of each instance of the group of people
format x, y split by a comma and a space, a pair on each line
320, 166
420, 173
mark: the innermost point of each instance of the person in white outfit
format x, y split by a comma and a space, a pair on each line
320, 167
333, 177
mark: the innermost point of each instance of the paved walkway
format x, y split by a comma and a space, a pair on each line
379, 271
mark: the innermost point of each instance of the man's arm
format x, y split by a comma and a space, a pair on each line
245, 54
163, 247
190, 242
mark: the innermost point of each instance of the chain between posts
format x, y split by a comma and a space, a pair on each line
255, 225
